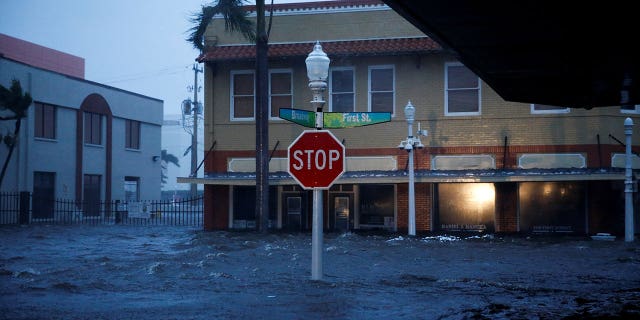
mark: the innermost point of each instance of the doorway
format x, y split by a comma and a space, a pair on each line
341, 212
43, 194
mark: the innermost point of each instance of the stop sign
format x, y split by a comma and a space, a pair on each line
316, 159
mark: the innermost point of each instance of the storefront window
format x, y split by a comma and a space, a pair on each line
466, 207
376, 205
244, 206
552, 207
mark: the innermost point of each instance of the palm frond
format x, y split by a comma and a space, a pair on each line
14, 99
235, 19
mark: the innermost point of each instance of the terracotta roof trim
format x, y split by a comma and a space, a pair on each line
395, 46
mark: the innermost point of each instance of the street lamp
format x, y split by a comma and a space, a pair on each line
408, 145
317, 70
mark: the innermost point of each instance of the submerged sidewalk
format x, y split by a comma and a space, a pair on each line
120, 272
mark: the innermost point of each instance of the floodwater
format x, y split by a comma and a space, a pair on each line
138, 272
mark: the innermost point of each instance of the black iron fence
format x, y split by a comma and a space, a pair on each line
24, 208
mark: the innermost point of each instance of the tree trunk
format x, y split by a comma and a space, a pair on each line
262, 124
11, 147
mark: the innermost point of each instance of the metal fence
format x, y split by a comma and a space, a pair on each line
24, 208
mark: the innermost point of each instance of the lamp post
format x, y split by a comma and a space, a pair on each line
628, 184
408, 145
317, 71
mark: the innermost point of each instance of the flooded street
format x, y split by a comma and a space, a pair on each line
128, 272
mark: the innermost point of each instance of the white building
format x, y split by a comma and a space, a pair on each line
81, 140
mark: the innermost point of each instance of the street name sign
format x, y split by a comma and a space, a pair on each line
354, 119
334, 120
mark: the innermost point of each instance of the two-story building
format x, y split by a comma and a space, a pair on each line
487, 164
81, 140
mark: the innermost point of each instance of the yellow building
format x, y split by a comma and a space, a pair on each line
487, 164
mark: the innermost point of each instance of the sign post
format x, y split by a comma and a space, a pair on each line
316, 159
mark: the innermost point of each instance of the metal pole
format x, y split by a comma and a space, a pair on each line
194, 135
628, 184
316, 236
412, 204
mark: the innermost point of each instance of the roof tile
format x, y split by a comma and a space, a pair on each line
398, 46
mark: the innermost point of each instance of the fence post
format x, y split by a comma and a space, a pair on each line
25, 206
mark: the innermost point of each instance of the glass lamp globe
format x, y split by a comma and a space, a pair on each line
317, 64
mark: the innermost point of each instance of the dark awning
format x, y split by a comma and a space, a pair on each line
573, 54
425, 176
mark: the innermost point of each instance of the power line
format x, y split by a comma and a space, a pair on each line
147, 74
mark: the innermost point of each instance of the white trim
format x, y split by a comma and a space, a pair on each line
550, 160
559, 110
446, 92
231, 96
282, 70
338, 8
478, 157
330, 95
393, 86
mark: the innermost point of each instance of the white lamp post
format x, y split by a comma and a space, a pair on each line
408, 145
317, 70
628, 184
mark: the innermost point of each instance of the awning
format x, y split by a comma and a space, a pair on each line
571, 54
424, 176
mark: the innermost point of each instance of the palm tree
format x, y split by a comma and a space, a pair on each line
165, 159
14, 100
236, 20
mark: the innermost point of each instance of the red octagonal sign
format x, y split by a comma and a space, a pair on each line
316, 159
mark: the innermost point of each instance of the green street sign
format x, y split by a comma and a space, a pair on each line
301, 117
354, 119
334, 120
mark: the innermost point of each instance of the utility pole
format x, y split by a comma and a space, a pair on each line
194, 134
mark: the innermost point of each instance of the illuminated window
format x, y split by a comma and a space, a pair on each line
552, 207
381, 89
462, 91
342, 90
465, 207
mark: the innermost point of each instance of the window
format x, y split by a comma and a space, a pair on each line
92, 128
132, 134
280, 93
630, 109
242, 95
342, 90
376, 204
45, 121
131, 187
545, 108
462, 91
381, 89
465, 207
